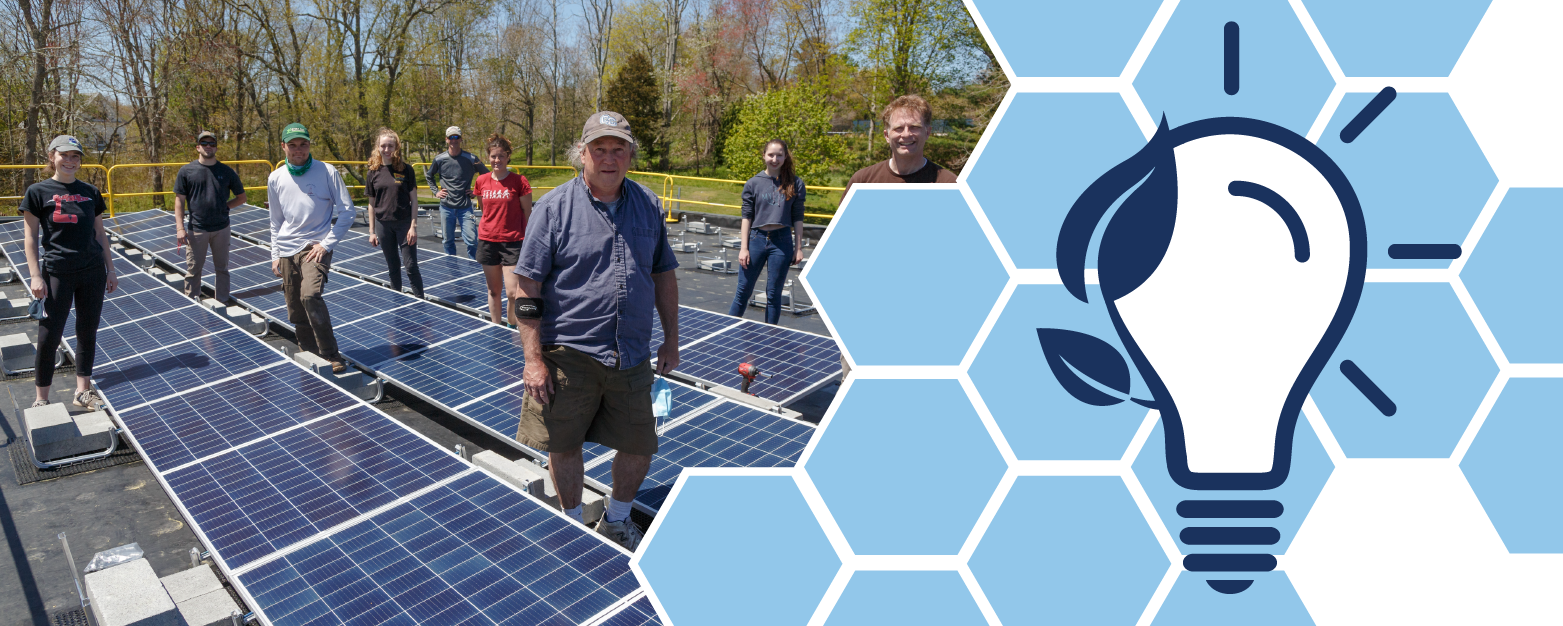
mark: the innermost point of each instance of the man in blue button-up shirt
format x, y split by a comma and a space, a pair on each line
596, 253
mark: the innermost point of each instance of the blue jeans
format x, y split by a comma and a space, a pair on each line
768, 249
469, 230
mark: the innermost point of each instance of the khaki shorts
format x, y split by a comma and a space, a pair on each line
591, 402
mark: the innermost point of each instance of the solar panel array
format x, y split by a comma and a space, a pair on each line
472, 368
324, 510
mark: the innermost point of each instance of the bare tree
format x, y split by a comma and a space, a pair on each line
672, 16
597, 26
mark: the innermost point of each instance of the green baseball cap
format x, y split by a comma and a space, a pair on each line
294, 131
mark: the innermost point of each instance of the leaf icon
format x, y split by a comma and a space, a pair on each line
1066, 349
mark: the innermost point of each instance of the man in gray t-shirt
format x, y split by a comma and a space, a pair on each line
450, 178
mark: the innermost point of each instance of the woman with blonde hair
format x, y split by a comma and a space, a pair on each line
68, 255
506, 201
772, 228
393, 199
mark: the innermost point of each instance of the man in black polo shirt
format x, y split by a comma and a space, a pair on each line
203, 186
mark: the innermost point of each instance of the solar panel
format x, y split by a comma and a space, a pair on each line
375, 340
127, 340
501, 413
794, 363
371, 267
271, 494
460, 370
152, 375
472, 552
470, 293
693, 325
443, 268
206, 421
16, 255
726, 435
250, 277
641, 613
134, 283
352, 247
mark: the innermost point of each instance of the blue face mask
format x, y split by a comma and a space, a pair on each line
661, 398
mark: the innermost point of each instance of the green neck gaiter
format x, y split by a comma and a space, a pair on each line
300, 169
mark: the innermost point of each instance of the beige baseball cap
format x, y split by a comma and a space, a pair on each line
454, 131
606, 124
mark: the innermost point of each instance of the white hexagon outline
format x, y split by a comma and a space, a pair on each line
1123, 467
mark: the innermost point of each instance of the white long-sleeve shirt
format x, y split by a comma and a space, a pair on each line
302, 208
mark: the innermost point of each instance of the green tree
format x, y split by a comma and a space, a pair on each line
799, 115
635, 95
911, 46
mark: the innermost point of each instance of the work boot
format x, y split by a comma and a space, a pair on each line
623, 532
337, 364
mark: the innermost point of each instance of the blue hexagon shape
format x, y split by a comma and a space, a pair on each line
1069, 550
1396, 37
858, 272
1067, 38
705, 568
1270, 601
1281, 80
1039, 419
1517, 252
905, 599
1414, 343
1311, 468
876, 426
1514, 467
1417, 170
1045, 150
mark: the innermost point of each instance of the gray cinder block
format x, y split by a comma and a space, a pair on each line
17, 346
526, 476
49, 423
211, 609
130, 594
190, 583
314, 362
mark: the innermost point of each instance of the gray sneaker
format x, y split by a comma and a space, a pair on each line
88, 400
623, 532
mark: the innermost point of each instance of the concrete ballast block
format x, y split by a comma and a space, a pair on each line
211, 609
130, 594
49, 423
314, 362
525, 475
593, 505
94, 422
190, 583
17, 346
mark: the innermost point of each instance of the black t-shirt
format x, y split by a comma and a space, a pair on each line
390, 193
207, 190
66, 232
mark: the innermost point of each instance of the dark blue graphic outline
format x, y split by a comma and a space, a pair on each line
1294, 225
1367, 115
1230, 54
1368, 388
1438, 251
1086, 213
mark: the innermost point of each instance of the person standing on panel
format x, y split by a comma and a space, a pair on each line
304, 196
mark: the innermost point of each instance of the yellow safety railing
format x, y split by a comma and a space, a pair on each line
668, 181
85, 166
667, 191
110, 196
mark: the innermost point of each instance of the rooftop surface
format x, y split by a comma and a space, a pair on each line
124, 503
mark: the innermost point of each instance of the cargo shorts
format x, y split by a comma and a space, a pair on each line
591, 402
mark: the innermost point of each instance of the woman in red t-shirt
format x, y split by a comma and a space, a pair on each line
506, 202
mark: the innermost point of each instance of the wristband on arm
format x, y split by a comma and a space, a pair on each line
528, 308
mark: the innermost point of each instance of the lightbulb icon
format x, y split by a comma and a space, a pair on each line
1231, 267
